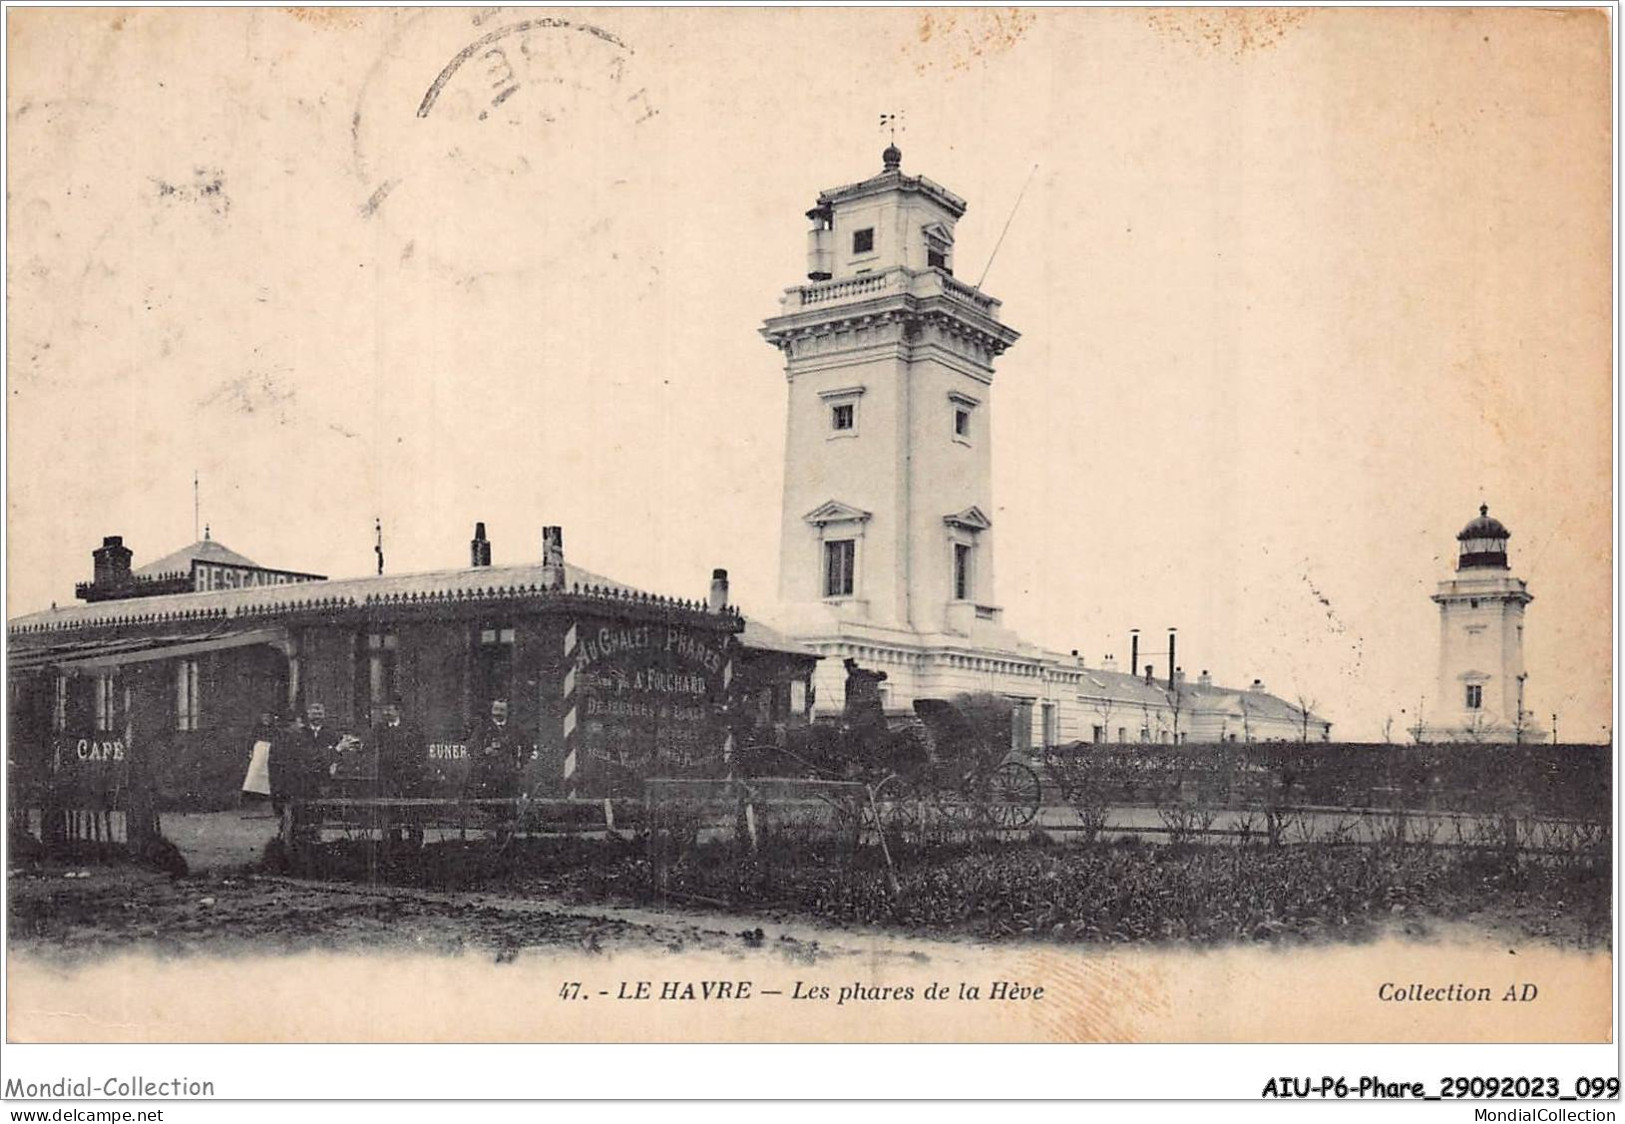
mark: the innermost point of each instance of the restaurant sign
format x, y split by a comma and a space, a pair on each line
226, 575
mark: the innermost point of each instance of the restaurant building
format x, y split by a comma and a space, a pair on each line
154, 695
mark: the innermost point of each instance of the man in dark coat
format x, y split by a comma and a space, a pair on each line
318, 752
400, 749
498, 755
308, 760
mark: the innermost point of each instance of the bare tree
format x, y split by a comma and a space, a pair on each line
1388, 730
1304, 707
1476, 728
1420, 728
1176, 698
1103, 707
1520, 724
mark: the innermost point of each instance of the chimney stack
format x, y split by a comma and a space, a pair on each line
1134, 651
1150, 673
1171, 667
553, 556
110, 565
1258, 685
718, 600
1205, 679
1108, 662
479, 548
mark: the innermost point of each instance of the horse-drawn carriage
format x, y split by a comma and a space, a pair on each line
943, 770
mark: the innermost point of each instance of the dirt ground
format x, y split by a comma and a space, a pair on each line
455, 903
72, 913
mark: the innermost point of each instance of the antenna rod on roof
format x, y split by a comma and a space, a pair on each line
1006, 229
378, 543
195, 505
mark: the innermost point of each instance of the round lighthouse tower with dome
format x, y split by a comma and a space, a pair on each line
1481, 674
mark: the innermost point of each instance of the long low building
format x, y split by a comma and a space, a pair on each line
604, 683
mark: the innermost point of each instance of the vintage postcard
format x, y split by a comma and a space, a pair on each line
789, 525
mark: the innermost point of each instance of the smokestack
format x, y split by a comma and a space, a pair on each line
479, 548
1134, 651
719, 590
553, 556
110, 565
1171, 668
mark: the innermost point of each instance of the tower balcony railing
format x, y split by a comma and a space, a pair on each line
897, 279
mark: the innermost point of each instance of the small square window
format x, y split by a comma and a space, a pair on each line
863, 241
841, 416
961, 423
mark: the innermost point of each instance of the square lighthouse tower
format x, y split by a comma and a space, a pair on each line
886, 547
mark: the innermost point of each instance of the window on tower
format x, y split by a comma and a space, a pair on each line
961, 422
962, 572
1475, 696
863, 241
842, 416
840, 557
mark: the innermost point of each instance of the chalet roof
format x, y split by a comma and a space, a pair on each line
495, 580
204, 550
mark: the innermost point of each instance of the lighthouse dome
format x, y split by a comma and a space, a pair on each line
1483, 543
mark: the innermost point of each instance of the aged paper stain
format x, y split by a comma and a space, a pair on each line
954, 39
1227, 31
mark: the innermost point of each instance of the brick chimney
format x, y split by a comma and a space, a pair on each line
718, 599
479, 547
111, 563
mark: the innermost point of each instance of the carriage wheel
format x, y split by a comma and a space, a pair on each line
899, 805
1012, 795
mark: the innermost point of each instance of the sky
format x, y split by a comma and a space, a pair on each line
1298, 290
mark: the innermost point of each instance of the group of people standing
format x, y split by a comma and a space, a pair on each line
313, 757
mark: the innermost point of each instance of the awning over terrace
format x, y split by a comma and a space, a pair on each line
116, 651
